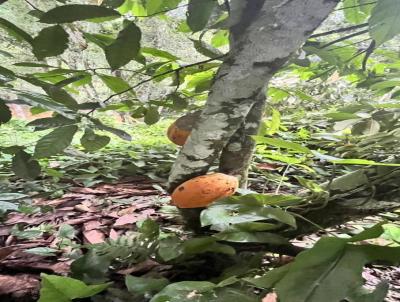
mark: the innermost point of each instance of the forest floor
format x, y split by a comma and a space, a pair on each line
107, 211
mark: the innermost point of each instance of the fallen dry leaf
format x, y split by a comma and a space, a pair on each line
126, 219
92, 225
18, 286
113, 234
94, 236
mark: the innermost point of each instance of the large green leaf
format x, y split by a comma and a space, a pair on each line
180, 292
279, 143
5, 112
243, 237
116, 84
199, 12
316, 272
43, 101
152, 116
118, 132
55, 142
235, 211
25, 166
125, 48
15, 31
92, 141
384, 22
51, 41
64, 289
144, 285
77, 12
159, 53
353, 11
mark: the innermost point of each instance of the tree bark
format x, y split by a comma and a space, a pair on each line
264, 36
237, 154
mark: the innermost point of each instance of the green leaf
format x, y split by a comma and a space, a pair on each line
5, 113
15, 31
243, 209
152, 116
341, 116
366, 127
112, 3
43, 101
370, 233
99, 39
243, 237
79, 79
7, 206
385, 84
91, 267
41, 251
145, 285
66, 231
199, 12
153, 6
205, 244
125, 48
354, 161
116, 84
7, 75
180, 292
118, 132
24, 166
279, 143
92, 141
275, 123
220, 38
51, 41
32, 64
64, 289
206, 49
55, 142
77, 12
12, 196
270, 278
353, 12
384, 23
317, 271
155, 52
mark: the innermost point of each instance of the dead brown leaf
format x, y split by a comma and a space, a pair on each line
18, 286
94, 236
126, 219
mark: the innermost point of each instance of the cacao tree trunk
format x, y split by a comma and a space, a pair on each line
264, 36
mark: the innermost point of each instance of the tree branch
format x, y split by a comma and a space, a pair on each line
359, 33
339, 30
32, 5
176, 70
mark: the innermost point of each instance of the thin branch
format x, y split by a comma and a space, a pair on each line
162, 11
354, 6
368, 53
33, 6
339, 30
359, 33
350, 44
158, 76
